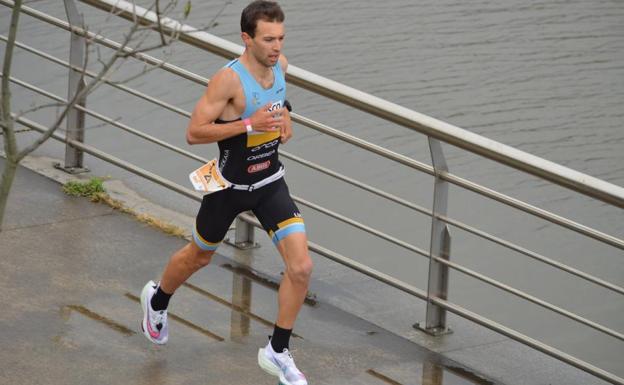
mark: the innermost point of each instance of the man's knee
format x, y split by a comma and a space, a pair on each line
301, 270
197, 257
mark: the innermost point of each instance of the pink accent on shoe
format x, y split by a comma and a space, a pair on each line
152, 332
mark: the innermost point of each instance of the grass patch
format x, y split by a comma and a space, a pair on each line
92, 188
95, 191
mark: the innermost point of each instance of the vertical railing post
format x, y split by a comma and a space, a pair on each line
440, 246
75, 118
244, 235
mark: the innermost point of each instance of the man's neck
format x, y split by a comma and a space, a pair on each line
257, 69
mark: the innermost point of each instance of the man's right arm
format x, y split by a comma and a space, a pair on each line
221, 89
201, 128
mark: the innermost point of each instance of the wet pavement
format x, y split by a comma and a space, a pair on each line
70, 275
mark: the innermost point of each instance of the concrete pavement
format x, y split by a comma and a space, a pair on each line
70, 275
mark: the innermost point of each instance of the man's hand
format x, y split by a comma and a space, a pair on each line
286, 132
264, 120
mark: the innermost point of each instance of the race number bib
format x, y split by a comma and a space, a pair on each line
208, 178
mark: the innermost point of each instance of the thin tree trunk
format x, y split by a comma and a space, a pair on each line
10, 144
5, 186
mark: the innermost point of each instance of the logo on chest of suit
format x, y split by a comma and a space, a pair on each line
275, 105
260, 156
265, 146
255, 98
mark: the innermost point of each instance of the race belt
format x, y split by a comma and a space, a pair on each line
208, 179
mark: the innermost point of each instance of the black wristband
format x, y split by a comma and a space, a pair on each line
287, 105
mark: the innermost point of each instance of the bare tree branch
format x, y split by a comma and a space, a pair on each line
103, 124
163, 41
37, 108
213, 22
79, 95
146, 69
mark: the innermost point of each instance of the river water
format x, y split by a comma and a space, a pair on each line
546, 77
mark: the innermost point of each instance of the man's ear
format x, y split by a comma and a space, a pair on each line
246, 38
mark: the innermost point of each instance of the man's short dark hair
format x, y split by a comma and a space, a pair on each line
260, 10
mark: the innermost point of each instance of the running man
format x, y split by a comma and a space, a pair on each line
244, 110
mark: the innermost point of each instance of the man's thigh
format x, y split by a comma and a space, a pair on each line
216, 214
278, 213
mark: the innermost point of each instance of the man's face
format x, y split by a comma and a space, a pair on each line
266, 46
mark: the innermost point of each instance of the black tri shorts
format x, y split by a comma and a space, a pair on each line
271, 204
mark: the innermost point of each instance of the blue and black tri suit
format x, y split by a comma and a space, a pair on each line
246, 159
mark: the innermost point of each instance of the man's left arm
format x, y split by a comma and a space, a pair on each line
286, 131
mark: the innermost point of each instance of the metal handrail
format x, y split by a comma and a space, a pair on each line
187, 114
451, 221
513, 334
108, 43
91, 74
532, 254
357, 183
307, 203
533, 210
501, 153
530, 298
456, 180
112, 122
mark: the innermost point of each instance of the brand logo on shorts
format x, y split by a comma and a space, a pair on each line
258, 167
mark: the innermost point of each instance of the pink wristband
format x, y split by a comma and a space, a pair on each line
247, 123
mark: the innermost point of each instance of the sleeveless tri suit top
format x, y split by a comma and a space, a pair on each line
250, 157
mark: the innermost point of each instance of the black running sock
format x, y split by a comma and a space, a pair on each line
160, 300
280, 338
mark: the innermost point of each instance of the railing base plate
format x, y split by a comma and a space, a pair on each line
242, 245
71, 170
436, 332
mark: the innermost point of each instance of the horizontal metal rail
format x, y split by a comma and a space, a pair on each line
453, 222
528, 341
109, 43
304, 202
362, 226
356, 183
183, 190
533, 210
532, 254
114, 84
427, 125
198, 197
110, 121
187, 114
530, 298
460, 311
354, 265
502, 198
113, 160
204, 81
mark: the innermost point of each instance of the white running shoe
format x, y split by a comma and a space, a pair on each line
154, 324
280, 365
